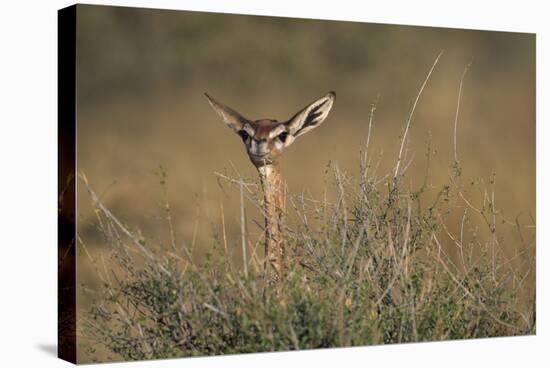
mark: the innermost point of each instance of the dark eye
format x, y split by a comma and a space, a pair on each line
283, 136
243, 134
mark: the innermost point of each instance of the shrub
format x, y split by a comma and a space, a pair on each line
376, 265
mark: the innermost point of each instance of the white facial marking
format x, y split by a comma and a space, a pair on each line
253, 146
275, 132
248, 128
278, 144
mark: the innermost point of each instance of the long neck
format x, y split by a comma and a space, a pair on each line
273, 187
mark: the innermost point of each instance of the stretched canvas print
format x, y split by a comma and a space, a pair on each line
233, 184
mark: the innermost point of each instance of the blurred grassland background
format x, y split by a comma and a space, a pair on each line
142, 74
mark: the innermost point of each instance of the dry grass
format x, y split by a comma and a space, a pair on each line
378, 264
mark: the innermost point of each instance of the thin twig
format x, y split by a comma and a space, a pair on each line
243, 230
458, 106
223, 229
371, 118
409, 119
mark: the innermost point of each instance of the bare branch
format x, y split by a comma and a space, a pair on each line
409, 119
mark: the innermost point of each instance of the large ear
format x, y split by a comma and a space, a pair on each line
311, 116
232, 118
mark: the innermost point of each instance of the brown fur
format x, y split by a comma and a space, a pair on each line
263, 127
273, 186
